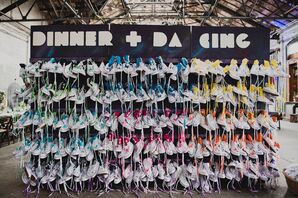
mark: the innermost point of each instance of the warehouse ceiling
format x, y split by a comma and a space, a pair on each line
273, 14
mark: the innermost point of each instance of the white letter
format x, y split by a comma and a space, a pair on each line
61, 38
50, 38
240, 40
204, 40
159, 39
76, 38
214, 40
90, 38
38, 38
227, 41
105, 38
175, 42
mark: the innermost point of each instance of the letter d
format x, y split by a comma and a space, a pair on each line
38, 38
159, 39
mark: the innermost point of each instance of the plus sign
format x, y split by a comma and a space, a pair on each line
133, 39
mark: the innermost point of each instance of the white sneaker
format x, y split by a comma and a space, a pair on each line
243, 69
204, 169
233, 70
199, 67
211, 120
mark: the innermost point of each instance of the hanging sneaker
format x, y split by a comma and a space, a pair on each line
233, 70
172, 70
141, 94
217, 149
182, 146
67, 72
243, 120
261, 96
256, 69
221, 120
268, 70
203, 122
270, 89
199, 150
172, 94
243, 69
252, 94
252, 121
204, 169
211, 120
278, 71
235, 150
80, 68
225, 146
199, 67
273, 145
263, 120
151, 64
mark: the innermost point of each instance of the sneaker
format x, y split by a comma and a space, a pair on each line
184, 70
161, 67
67, 72
252, 94
199, 67
273, 145
203, 123
229, 95
268, 70
233, 70
270, 89
199, 150
278, 71
80, 68
225, 146
169, 146
172, 70
256, 69
243, 121
221, 119
59, 95
151, 64
217, 149
252, 121
138, 147
182, 146
173, 95
235, 150
211, 120
160, 149
56, 68
141, 94
92, 68
191, 148
261, 97
263, 120
204, 169
243, 69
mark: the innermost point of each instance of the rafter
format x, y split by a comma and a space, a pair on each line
234, 13
12, 6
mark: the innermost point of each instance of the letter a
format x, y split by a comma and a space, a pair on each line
175, 42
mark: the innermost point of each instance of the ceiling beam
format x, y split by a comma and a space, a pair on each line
120, 16
11, 7
75, 12
210, 11
234, 13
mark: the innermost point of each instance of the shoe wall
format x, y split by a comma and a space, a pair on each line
135, 125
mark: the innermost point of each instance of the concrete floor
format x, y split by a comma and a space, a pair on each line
12, 186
